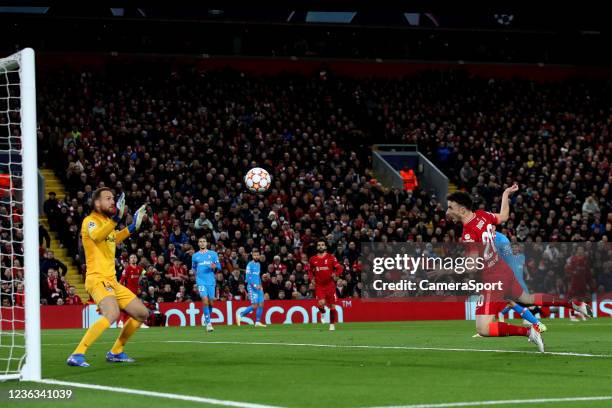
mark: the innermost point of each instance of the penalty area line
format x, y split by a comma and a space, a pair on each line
146, 393
501, 402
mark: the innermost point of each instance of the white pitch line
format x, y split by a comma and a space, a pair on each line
413, 348
554, 353
501, 402
146, 393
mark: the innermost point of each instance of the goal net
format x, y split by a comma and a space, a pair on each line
19, 255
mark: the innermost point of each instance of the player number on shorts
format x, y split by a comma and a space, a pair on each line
487, 239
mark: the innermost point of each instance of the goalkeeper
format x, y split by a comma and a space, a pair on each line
99, 242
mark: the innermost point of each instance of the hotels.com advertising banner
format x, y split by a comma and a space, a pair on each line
279, 312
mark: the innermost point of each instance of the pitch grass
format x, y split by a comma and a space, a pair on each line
302, 376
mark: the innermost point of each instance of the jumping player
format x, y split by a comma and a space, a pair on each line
479, 227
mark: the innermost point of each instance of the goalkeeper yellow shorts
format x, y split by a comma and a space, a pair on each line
101, 288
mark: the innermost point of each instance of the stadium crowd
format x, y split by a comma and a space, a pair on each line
181, 140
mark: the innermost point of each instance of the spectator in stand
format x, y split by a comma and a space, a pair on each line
181, 158
304, 293
467, 175
288, 290
590, 206
150, 296
15, 274
55, 287
43, 237
73, 298
52, 207
342, 289
6, 293
241, 293
183, 294
50, 262
202, 225
177, 273
167, 294
178, 237
19, 297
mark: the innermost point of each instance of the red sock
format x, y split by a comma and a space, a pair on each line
321, 310
543, 299
333, 315
498, 329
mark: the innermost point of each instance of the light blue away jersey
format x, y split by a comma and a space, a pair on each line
252, 274
516, 262
202, 265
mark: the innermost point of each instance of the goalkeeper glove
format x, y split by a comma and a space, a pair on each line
120, 210
137, 219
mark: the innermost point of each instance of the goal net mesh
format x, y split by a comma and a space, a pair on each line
12, 313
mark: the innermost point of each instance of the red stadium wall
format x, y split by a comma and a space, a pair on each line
276, 312
351, 68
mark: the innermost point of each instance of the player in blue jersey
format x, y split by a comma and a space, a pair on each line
516, 261
256, 294
203, 263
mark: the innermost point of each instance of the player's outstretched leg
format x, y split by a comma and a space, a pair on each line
110, 313
544, 299
487, 327
526, 314
140, 314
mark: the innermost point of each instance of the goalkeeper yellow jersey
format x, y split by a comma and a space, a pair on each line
99, 243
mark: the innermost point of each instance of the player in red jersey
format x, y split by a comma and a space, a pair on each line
578, 273
479, 227
130, 279
324, 270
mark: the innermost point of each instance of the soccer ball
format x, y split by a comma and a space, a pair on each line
257, 180
504, 19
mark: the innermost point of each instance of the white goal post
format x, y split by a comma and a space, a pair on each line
20, 353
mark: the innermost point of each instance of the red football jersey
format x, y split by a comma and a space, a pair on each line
130, 277
322, 267
481, 228
578, 270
